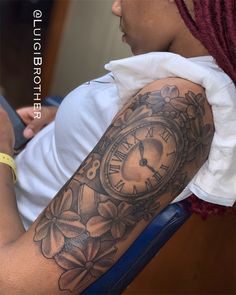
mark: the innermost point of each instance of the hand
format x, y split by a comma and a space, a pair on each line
35, 125
7, 137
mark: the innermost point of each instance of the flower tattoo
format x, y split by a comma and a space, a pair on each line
57, 224
82, 265
112, 218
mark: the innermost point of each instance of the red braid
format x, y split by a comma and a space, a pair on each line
215, 28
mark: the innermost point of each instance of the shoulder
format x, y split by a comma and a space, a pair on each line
180, 94
182, 85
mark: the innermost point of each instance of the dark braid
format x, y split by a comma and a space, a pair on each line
215, 27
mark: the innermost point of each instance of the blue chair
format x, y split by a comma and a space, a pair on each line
147, 245
154, 236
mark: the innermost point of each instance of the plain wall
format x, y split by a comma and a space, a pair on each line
91, 37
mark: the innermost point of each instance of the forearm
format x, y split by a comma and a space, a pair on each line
10, 223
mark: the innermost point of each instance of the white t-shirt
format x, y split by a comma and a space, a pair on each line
53, 155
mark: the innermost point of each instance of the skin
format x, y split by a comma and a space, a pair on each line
151, 150
156, 25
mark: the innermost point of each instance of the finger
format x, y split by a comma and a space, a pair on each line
33, 127
28, 133
49, 113
26, 114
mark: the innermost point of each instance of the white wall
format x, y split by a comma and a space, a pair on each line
91, 38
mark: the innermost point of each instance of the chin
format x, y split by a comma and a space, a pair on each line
137, 51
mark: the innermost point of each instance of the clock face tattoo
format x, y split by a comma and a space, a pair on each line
141, 161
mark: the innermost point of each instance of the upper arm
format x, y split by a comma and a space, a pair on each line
152, 149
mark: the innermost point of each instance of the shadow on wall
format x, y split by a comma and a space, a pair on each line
90, 39
16, 53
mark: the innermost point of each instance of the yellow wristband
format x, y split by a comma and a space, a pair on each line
6, 159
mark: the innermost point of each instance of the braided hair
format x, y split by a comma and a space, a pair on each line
215, 27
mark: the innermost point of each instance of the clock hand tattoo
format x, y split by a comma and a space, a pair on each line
150, 168
144, 162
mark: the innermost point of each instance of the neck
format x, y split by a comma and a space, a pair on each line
187, 46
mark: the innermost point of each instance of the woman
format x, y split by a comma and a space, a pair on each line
154, 150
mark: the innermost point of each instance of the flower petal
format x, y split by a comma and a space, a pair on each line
60, 204
70, 228
156, 98
92, 248
118, 230
129, 220
170, 91
53, 208
42, 229
98, 226
69, 215
74, 279
48, 214
124, 209
107, 251
107, 209
73, 259
53, 242
66, 200
101, 267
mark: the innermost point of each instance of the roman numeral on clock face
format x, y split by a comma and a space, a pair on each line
171, 154
135, 191
165, 135
119, 156
157, 176
119, 185
114, 169
150, 132
135, 138
163, 167
127, 145
149, 185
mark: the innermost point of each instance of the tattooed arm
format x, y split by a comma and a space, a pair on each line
153, 147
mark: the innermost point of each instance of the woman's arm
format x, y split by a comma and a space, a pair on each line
10, 224
152, 149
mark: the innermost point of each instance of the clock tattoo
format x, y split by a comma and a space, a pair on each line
150, 150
